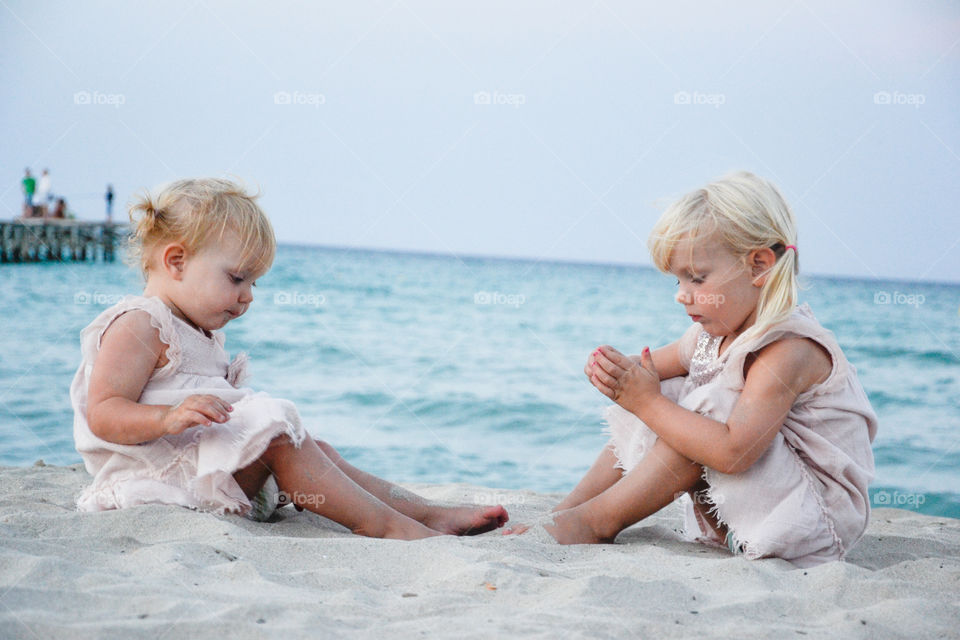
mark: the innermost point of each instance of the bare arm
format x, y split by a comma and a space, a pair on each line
130, 350
781, 372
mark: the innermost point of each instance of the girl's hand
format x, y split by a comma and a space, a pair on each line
628, 383
195, 410
589, 368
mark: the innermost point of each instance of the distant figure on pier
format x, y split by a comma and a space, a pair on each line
29, 186
42, 198
59, 211
108, 196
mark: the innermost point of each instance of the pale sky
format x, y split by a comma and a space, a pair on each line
545, 130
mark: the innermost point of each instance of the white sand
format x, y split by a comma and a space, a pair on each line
162, 571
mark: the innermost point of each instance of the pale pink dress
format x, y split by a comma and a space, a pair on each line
805, 499
193, 468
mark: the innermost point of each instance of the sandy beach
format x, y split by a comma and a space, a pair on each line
164, 571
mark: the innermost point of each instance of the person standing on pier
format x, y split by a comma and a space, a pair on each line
43, 197
29, 186
108, 196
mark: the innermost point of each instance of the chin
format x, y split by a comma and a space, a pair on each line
213, 326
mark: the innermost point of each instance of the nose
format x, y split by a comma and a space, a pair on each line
246, 294
683, 297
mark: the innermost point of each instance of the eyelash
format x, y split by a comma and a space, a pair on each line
693, 280
238, 280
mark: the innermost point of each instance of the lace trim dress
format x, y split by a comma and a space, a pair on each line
195, 467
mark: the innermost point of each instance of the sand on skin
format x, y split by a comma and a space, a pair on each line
166, 571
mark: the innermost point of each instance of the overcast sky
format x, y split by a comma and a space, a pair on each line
546, 130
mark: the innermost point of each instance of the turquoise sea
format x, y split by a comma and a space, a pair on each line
443, 369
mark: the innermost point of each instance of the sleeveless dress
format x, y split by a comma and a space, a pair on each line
193, 468
805, 499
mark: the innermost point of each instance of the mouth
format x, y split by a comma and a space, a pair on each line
695, 318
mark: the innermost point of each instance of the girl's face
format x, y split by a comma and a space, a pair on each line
716, 288
211, 287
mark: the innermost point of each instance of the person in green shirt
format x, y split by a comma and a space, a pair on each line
29, 187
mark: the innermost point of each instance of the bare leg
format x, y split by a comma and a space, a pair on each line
457, 520
701, 508
601, 476
315, 483
650, 486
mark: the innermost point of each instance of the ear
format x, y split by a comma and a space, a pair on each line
173, 259
760, 262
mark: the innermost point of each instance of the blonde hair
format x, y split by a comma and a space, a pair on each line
748, 213
197, 212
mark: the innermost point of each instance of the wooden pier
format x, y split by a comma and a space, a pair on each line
55, 240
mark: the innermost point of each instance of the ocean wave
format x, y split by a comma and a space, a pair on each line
889, 352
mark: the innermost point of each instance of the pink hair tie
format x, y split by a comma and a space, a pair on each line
790, 246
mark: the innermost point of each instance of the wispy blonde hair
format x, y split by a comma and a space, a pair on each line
197, 212
748, 213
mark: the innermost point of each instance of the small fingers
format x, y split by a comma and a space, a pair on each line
191, 418
604, 389
209, 413
605, 364
616, 357
214, 408
604, 377
220, 403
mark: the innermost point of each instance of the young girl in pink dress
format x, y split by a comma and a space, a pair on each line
753, 417
160, 413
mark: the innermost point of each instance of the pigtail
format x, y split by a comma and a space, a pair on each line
780, 292
151, 223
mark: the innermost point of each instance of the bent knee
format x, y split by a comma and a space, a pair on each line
280, 442
327, 448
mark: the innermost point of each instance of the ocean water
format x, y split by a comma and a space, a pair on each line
441, 369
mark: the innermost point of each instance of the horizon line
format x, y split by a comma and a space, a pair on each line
573, 261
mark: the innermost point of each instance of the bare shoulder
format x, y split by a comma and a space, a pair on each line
797, 363
133, 333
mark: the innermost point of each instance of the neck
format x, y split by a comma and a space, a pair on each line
739, 331
154, 290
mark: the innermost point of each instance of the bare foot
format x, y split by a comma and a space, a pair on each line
567, 527
405, 528
466, 520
